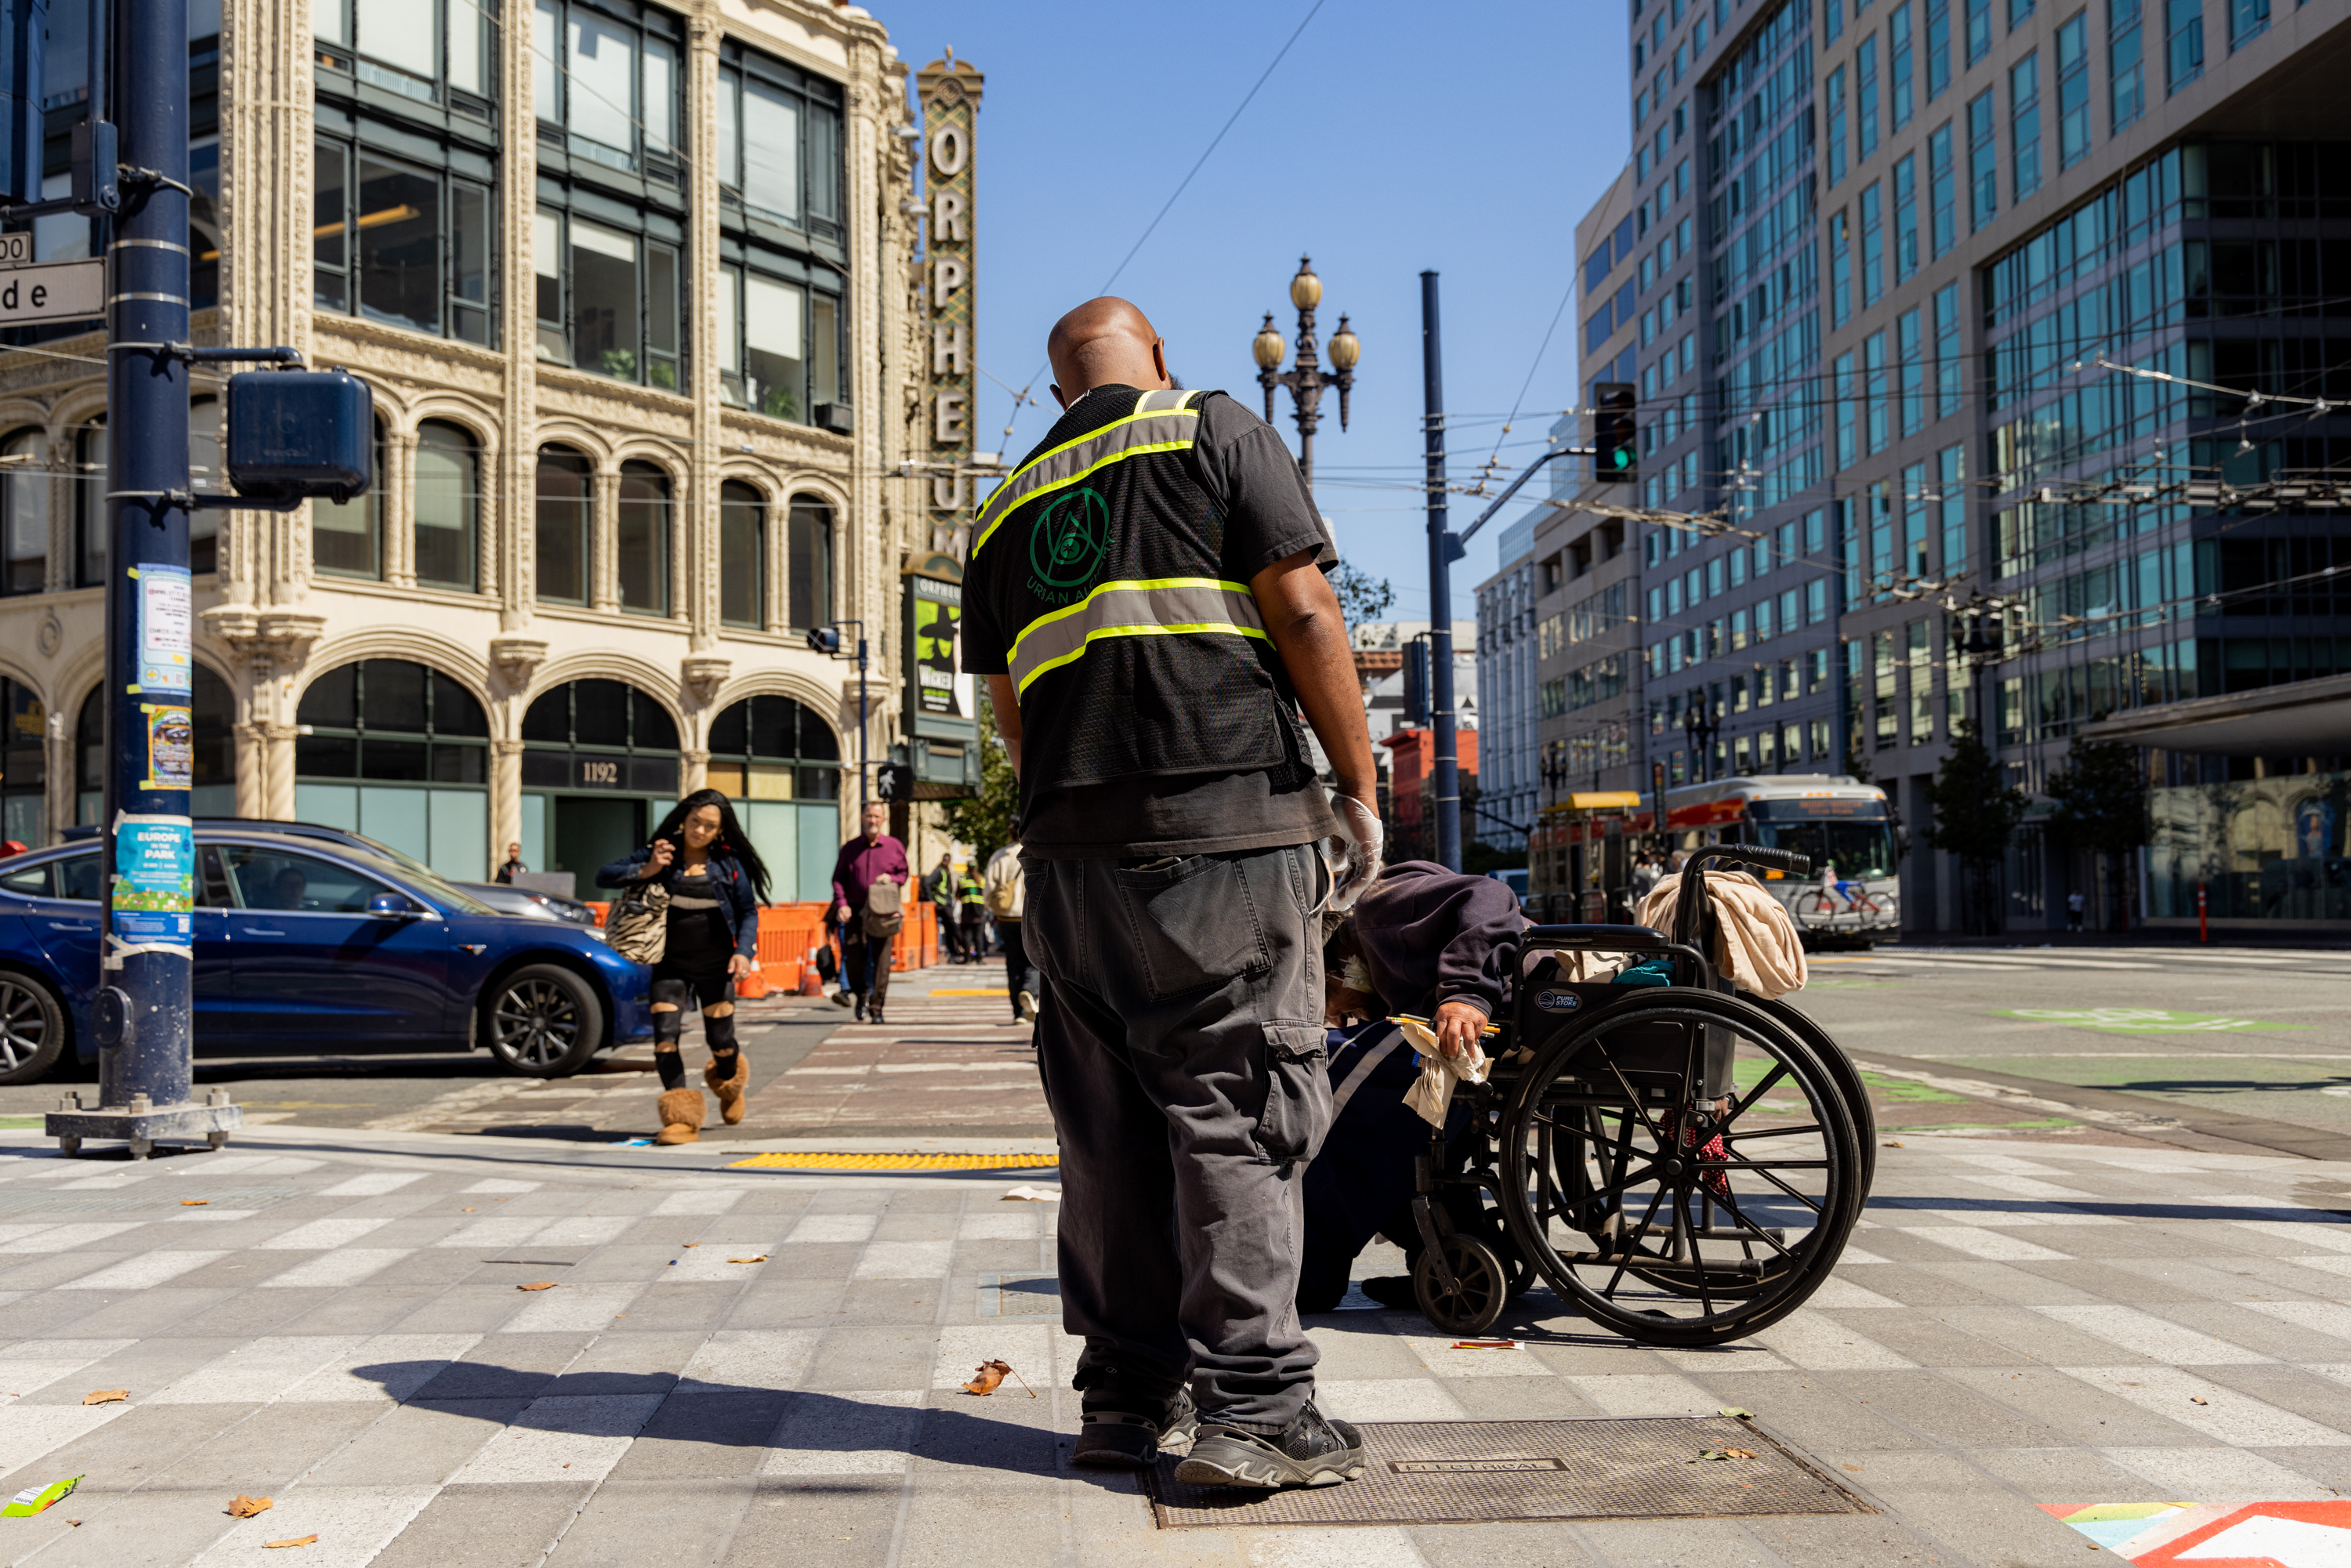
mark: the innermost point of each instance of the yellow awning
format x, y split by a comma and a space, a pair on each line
1604, 800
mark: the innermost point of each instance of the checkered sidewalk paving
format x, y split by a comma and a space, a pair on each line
754, 1367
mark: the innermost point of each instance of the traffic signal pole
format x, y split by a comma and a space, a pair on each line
1443, 551
141, 1019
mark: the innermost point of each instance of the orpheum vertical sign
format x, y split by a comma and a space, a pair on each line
950, 90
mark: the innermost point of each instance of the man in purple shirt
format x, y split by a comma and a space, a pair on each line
865, 860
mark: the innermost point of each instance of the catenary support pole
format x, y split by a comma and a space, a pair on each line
142, 1017
1445, 780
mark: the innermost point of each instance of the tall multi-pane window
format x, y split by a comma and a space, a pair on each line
808, 561
2183, 42
2074, 91
2025, 125
1840, 267
404, 225
1978, 25
1865, 99
641, 539
608, 298
1901, 84
2018, 12
446, 495
1950, 484
25, 507
1939, 47
1843, 382
1947, 366
1942, 187
1832, 20
1837, 116
204, 469
1873, 364
347, 537
89, 504
2247, 19
1911, 366
1906, 216
608, 242
742, 555
1873, 243
1984, 161
2126, 71
565, 505
778, 290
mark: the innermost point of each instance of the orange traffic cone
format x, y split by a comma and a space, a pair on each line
811, 982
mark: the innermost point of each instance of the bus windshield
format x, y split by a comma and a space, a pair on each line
1852, 835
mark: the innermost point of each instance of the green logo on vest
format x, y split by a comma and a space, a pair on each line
1071, 536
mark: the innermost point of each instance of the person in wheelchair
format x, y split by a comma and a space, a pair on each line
1422, 941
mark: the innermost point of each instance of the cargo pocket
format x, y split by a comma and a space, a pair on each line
1297, 1091
1194, 923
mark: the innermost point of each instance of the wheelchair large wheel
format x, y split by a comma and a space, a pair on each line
1840, 1068
1681, 1167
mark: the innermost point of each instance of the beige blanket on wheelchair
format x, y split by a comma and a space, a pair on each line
1757, 950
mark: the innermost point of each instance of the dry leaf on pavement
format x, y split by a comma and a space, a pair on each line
760, 1259
244, 1506
537, 1285
193, 1202
292, 1541
987, 1376
106, 1397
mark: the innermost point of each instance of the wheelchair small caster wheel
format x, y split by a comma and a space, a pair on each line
1480, 1287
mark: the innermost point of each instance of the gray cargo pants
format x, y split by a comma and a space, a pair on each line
1183, 1056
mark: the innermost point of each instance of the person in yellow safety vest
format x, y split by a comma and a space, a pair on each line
971, 896
1146, 594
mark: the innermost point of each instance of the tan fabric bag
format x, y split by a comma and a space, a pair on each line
885, 908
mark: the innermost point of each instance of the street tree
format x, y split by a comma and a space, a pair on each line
2102, 808
984, 820
1362, 597
1976, 814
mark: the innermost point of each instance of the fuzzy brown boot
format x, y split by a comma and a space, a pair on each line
730, 1090
681, 1112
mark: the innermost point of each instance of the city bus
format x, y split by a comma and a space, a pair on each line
1840, 823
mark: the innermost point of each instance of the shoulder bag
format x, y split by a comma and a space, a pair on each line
637, 925
885, 908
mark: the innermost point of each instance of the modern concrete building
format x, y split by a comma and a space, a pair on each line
637, 292
1510, 752
1887, 254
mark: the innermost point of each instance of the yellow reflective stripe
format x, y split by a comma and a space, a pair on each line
1224, 627
1133, 585
1010, 495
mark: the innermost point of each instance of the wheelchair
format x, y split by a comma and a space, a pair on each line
1682, 1165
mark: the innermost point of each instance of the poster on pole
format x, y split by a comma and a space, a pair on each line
155, 880
166, 628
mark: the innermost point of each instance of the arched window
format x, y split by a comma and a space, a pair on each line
642, 538
400, 752
809, 563
206, 471
26, 503
566, 502
347, 537
781, 763
448, 505
24, 766
89, 504
600, 764
742, 555
212, 774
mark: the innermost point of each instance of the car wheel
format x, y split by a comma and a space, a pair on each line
543, 1022
32, 1030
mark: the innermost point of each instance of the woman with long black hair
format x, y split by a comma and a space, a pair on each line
717, 883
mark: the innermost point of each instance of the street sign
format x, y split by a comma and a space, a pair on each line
17, 249
54, 291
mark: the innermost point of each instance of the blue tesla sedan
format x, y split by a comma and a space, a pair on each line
306, 945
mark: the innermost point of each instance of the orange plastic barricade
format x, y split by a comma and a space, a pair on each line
791, 933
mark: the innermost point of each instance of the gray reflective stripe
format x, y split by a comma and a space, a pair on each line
1373, 1056
1166, 606
1147, 428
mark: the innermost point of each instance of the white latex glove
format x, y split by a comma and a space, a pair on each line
1361, 839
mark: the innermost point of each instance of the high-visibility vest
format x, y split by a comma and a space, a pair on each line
1134, 652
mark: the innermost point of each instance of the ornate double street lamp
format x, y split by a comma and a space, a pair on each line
1701, 727
1307, 381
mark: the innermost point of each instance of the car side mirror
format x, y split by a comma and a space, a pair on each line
391, 906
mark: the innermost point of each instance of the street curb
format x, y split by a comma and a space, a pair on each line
2135, 1113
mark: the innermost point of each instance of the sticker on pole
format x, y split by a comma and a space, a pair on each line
154, 881
166, 620
170, 745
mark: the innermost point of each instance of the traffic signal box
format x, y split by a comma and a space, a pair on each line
1615, 460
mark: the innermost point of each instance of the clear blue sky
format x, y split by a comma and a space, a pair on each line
1391, 139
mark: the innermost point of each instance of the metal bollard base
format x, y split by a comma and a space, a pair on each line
143, 1127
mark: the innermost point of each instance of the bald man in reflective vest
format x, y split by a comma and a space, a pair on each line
1146, 596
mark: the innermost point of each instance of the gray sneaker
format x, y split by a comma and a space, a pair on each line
1312, 1451
1123, 1440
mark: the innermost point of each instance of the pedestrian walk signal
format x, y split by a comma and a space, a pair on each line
1615, 460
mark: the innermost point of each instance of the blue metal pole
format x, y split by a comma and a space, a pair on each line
1445, 780
142, 1018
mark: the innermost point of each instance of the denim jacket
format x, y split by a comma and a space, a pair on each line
724, 880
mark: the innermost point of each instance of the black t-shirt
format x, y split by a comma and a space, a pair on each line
1250, 478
